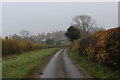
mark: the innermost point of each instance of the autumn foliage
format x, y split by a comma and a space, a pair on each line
13, 46
103, 47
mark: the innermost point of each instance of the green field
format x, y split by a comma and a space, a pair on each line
23, 65
95, 70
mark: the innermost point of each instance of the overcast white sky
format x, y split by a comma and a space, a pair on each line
40, 17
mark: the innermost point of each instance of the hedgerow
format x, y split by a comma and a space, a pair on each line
103, 47
13, 46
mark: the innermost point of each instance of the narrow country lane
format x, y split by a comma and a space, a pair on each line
61, 66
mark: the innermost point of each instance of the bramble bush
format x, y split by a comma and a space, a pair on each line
103, 47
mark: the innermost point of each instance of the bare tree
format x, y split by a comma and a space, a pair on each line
25, 34
84, 23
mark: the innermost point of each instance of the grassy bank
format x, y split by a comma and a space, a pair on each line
95, 70
23, 65
0, 68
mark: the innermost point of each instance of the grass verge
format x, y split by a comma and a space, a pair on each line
0, 67
94, 70
23, 65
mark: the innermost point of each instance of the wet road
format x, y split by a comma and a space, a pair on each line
61, 66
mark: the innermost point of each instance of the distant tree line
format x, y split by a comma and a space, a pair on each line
57, 37
24, 42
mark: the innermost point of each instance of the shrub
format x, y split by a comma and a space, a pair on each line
12, 46
109, 52
102, 47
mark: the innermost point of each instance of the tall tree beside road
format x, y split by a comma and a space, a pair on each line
84, 23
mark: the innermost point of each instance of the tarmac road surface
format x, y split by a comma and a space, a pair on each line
61, 66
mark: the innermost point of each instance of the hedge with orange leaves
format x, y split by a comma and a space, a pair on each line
103, 47
12, 46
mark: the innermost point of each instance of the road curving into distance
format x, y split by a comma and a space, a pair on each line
61, 66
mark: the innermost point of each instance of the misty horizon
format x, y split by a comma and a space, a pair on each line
39, 17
